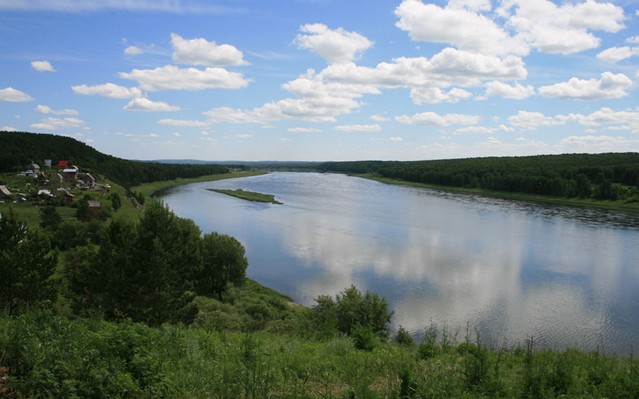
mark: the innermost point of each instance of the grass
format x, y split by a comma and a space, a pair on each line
247, 195
43, 355
156, 188
618, 205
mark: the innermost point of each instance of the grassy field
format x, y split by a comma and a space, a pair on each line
247, 195
43, 355
575, 202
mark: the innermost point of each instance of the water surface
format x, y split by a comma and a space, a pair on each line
509, 270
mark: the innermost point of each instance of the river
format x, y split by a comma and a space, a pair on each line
506, 270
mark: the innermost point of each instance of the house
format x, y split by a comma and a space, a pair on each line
4, 192
70, 172
94, 204
86, 179
63, 164
34, 168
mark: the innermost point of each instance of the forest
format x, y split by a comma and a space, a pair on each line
608, 176
18, 149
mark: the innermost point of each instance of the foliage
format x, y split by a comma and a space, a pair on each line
150, 271
45, 355
51, 218
223, 263
27, 263
601, 176
351, 310
20, 148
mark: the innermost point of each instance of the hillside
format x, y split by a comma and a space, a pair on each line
18, 149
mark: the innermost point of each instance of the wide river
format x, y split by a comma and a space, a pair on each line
566, 277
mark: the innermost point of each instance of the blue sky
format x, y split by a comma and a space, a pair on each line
323, 79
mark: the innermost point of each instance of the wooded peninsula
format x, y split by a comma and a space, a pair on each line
106, 293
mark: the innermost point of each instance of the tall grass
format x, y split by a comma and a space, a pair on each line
45, 355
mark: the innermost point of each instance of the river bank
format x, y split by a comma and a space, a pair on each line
573, 202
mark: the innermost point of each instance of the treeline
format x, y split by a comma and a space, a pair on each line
601, 176
21, 148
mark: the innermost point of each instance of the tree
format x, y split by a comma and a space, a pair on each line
50, 219
27, 263
116, 201
223, 263
351, 310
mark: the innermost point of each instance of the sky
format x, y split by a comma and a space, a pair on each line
322, 80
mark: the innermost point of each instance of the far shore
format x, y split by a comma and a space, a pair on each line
155, 189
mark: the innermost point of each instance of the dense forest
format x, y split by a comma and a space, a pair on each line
600, 176
19, 149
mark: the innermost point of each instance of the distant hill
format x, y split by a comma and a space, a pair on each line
18, 149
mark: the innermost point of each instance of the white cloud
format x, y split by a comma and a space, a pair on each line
592, 143
431, 118
501, 89
58, 123
607, 116
203, 52
44, 109
633, 39
8, 129
303, 130
609, 86
461, 27
146, 105
475, 130
42, 66
182, 123
435, 95
532, 120
334, 45
474, 5
133, 50
561, 29
170, 77
358, 128
12, 95
396, 138
110, 90
379, 118
616, 54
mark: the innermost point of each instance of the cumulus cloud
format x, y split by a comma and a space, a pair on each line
431, 118
12, 95
379, 118
616, 54
358, 128
182, 123
501, 89
435, 95
110, 90
608, 86
459, 24
333, 45
8, 129
170, 77
146, 105
42, 66
563, 29
532, 120
58, 123
44, 109
514, 28
206, 53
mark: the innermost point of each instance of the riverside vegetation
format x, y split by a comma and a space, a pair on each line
133, 301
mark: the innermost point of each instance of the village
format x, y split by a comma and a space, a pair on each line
54, 184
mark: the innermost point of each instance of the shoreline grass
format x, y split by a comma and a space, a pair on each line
248, 195
154, 189
632, 207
